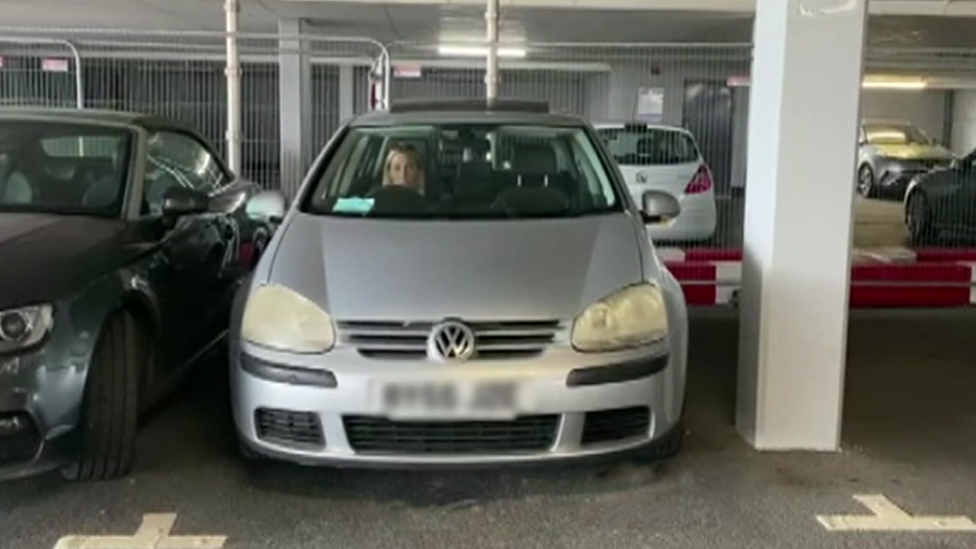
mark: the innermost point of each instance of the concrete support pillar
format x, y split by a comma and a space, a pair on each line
803, 116
295, 104
347, 91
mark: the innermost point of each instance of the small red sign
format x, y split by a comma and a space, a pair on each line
739, 81
407, 71
55, 65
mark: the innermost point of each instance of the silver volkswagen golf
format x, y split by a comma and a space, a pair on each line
461, 283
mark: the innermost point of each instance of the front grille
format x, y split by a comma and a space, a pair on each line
493, 340
382, 436
613, 425
299, 429
19, 438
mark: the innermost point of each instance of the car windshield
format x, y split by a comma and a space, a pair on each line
464, 171
63, 168
895, 134
648, 146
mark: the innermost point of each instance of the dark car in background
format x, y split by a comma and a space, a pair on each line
123, 238
891, 154
942, 203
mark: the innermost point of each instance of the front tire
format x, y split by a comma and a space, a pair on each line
865, 182
919, 220
110, 406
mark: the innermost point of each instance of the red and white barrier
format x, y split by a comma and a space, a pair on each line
889, 277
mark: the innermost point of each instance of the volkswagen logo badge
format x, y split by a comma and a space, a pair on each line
451, 341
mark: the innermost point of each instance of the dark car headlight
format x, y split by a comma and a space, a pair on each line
24, 327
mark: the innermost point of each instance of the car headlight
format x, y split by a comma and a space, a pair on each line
281, 319
24, 327
630, 317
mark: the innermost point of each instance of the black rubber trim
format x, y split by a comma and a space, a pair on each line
287, 374
617, 373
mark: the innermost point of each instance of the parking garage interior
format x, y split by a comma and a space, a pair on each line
829, 357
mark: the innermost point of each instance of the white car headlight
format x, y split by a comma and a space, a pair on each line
281, 319
24, 327
630, 317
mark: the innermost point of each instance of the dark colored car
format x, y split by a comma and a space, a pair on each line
891, 154
122, 239
943, 203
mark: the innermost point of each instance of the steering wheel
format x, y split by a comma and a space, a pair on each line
398, 199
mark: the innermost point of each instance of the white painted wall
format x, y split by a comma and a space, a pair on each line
964, 122
925, 109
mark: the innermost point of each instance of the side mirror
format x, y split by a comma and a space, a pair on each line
658, 206
268, 206
180, 201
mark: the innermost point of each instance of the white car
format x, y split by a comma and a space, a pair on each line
665, 158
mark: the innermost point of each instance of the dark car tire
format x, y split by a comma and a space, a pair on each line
866, 184
110, 406
918, 217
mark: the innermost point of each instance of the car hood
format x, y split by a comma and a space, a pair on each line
913, 152
365, 269
44, 256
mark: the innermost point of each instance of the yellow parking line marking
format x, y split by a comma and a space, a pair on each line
153, 533
888, 517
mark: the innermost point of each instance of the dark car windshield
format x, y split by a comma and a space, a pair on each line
895, 134
464, 171
63, 168
648, 146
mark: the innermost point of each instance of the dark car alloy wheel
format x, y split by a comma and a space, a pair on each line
865, 181
918, 220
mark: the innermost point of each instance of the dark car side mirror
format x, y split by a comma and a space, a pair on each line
180, 201
658, 206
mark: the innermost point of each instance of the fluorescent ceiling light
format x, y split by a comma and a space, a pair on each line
480, 51
894, 83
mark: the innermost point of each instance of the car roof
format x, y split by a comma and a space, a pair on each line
95, 116
622, 125
467, 111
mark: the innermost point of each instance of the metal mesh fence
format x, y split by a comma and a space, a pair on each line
39, 72
182, 75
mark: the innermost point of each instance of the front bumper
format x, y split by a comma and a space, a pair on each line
635, 400
27, 445
41, 392
898, 181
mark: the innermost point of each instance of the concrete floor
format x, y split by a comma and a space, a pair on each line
910, 433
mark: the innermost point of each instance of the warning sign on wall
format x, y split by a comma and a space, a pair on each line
650, 104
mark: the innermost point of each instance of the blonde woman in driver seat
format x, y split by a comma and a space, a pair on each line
404, 166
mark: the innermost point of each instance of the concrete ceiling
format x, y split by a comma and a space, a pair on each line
446, 20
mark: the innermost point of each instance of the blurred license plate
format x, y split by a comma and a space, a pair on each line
448, 399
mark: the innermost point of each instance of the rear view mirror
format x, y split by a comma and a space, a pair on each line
268, 206
657, 206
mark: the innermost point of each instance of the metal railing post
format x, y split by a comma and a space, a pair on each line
491, 69
233, 74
